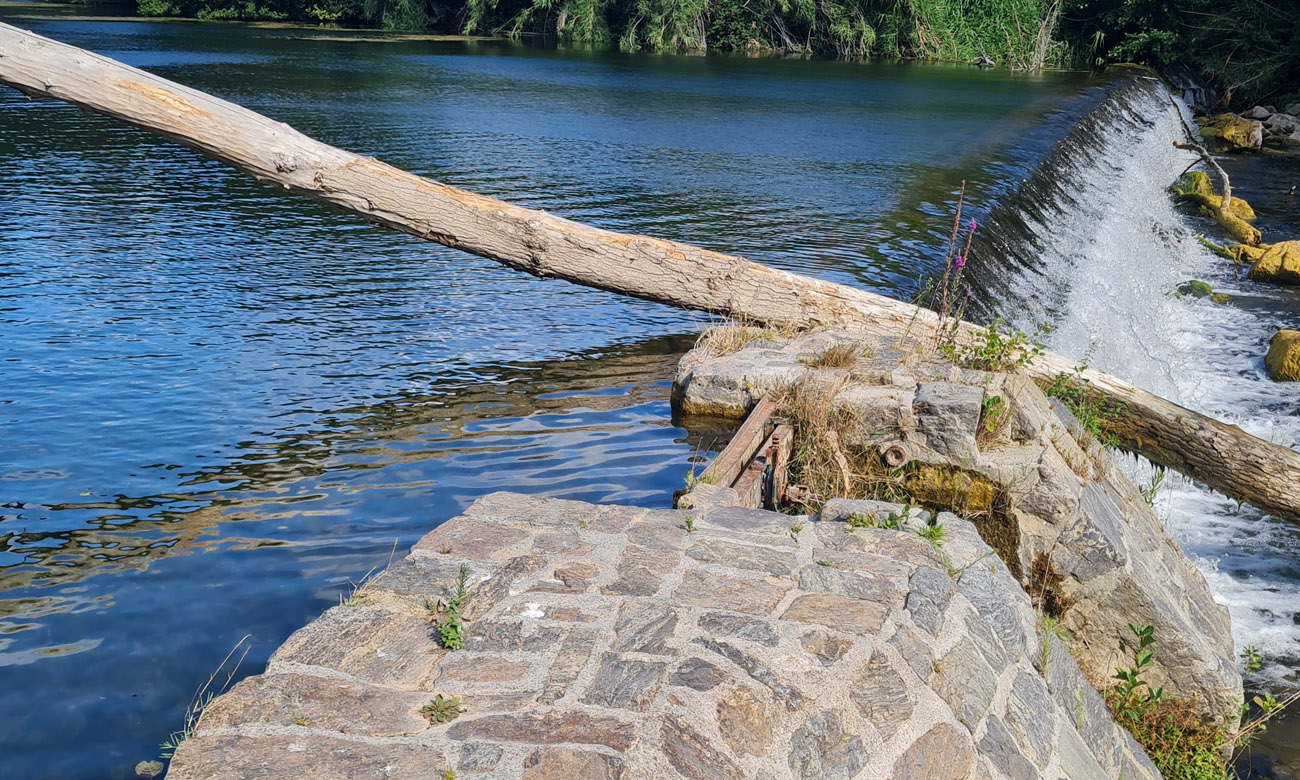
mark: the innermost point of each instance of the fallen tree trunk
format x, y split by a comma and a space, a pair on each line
1222, 456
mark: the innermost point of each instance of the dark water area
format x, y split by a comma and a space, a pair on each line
222, 405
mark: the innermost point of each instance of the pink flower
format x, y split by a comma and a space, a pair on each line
973, 224
960, 261
967, 292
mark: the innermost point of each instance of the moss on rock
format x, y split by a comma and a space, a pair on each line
1231, 133
1283, 358
1279, 263
1195, 187
1198, 289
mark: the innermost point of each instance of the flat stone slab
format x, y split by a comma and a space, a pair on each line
609, 642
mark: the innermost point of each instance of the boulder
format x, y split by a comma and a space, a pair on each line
1279, 263
1283, 358
1258, 112
1231, 133
1293, 109
1281, 124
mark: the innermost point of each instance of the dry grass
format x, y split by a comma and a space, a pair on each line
731, 337
823, 459
835, 356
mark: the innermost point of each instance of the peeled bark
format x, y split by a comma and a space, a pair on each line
1222, 456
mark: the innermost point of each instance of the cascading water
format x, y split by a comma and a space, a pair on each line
1092, 245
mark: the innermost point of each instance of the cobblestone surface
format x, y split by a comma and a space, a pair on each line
608, 642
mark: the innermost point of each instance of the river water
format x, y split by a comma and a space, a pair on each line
222, 405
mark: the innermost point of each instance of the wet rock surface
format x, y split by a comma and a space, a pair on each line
842, 653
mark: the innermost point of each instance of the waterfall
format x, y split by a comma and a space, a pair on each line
1091, 244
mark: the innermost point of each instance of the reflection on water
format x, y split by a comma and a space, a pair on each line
220, 405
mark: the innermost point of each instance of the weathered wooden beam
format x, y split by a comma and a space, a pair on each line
1222, 456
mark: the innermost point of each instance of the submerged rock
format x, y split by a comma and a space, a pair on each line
1283, 358
1231, 133
1198, 289
1278, 263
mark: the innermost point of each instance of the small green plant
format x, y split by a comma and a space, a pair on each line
444, 709
302, 721
933, 532
1094, 414
994, 414
689, 525
448, 774
825, 563
795, 529
1051, 628
450, 627
1152, 489
893, 522
1250, 659
995, 348
1130, 678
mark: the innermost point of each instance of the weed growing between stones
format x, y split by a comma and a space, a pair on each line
450, 627
301, 721
733, 336
933, 532
892, 523
1181, 744
995, 348
1051, 628
203, 697
444, 709
1095, 416
689, 525
448, 774
834, 356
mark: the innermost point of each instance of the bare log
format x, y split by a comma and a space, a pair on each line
1222, 456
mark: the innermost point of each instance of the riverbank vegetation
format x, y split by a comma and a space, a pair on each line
1249, 50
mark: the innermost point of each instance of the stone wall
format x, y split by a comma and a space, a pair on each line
1070, 526
613, 642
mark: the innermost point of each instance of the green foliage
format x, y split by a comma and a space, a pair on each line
1180, 742
444, 709
1249, 49
995, 349
1094, 414
1152, 489
893, 522
448, 623
689, 525
933, 532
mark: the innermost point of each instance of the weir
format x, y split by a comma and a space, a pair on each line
611, 641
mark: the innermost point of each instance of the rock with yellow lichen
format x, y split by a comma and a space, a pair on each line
1278, 263
1231, 133
1283, 358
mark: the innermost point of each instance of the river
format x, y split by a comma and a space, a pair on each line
222, 406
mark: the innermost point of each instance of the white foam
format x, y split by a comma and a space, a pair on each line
1115, 259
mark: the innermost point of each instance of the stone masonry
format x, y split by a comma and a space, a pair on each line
1071, 527
612, 642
